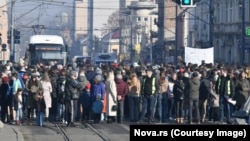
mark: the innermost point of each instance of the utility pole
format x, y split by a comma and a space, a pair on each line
211, 21
151, 41
176, 35
161, 21
90, 25
12, 26
243, 33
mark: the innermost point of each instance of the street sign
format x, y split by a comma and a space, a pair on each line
248, 31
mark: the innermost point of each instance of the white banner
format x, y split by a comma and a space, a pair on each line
197, 55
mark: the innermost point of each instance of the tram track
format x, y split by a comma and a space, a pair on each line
62, 132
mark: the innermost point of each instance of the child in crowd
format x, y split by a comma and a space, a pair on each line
18, 106
85, 101
97, 109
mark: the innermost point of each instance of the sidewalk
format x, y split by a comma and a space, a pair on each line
10, 133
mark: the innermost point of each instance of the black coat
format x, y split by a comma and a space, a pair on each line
4, 98
40, 105
71, 87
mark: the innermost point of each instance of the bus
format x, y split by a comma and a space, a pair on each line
46, 48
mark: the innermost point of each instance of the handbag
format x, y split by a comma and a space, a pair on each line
114, 108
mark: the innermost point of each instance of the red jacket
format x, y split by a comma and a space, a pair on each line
122, 88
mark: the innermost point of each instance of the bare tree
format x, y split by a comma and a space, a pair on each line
112, 23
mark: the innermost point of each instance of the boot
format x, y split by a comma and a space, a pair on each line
181, 120
18, 122
178, 120
28, 122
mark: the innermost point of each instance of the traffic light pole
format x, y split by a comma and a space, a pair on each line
176, 35
12, 45
211, 21
243, 33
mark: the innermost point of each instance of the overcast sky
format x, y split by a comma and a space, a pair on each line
31, 12
103, 8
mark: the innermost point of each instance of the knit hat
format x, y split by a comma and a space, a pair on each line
195, 74
98, 77
87, 86
5, 79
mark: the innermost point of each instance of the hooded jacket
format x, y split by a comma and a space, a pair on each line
193, 88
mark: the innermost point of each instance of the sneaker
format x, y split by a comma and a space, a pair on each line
139, 121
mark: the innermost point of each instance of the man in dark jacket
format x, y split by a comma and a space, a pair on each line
225, 88
61, 95
53, 80
204, 94
149, 95
71, 97
122, 90
193, 91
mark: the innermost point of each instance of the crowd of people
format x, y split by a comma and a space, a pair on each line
114, 93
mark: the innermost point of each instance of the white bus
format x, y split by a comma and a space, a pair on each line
45, 48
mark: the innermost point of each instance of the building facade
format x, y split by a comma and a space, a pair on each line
136, 22
81, 27
4, 55
226, 29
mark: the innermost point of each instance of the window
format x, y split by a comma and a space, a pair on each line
138, 19
146, 19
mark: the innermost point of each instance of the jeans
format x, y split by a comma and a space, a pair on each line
61, 111
159, 106
24, 98
224, 106
171, 109
179, 108
39, 118
133, 108
120, 112
150, 101
19, 114
194, 102
164, 107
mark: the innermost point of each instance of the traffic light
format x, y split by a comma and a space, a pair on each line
16, 36
8, 37
4, 47
187, 3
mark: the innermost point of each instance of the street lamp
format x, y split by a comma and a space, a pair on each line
243, 42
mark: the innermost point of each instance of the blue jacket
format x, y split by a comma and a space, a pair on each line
85, 99
97, 89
